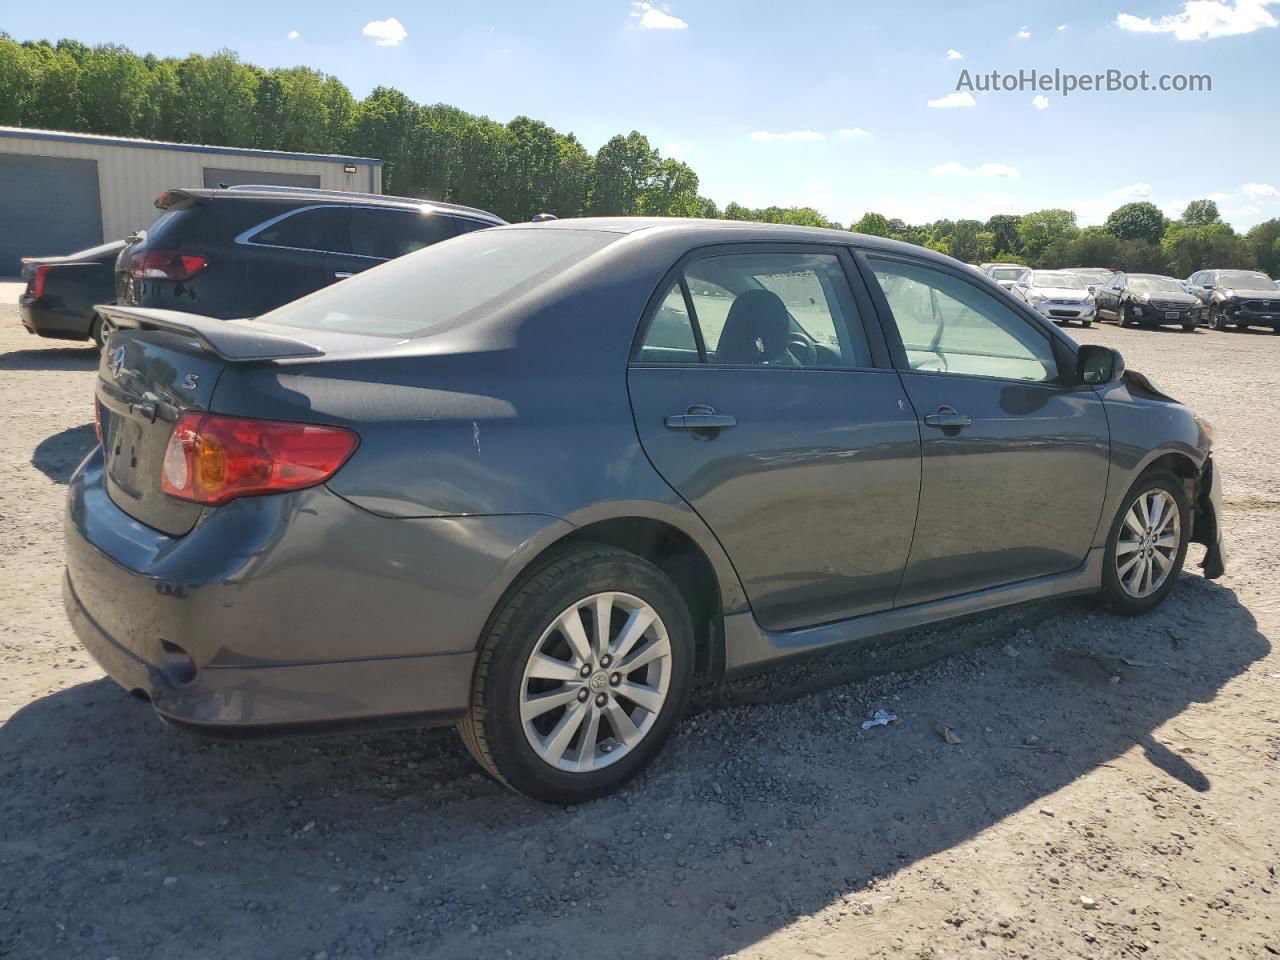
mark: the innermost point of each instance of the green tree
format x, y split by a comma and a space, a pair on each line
1039, 230
385, 123
624, 167
218, 95
1141, 256
292, 111
1004, 228
969, 243
872, 224
113, 87
1264, 239
1093, 247
1137, 221
1192, 247
1200, 213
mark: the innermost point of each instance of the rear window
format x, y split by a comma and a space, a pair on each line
447, 284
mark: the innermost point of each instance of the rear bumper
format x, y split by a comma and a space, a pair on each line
44, 320
291, 611
282, 698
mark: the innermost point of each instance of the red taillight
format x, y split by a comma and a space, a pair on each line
212, 458
37, 281
165, 265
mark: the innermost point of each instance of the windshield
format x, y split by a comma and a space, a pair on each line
1244, 280
1092, 274
1063, 281
1007, 273
449, 283
1154, 285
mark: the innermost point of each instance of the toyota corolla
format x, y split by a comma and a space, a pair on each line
538, 480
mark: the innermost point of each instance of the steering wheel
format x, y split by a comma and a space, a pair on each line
803, 349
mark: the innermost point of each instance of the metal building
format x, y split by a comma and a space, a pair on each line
62, 192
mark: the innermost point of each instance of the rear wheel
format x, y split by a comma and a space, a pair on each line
1147, 544
582, 676
96, 332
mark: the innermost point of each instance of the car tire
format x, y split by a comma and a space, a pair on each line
1122, 315
96, 332
1188, 326
1126, 588
1214, 321
542, 751
1086, 324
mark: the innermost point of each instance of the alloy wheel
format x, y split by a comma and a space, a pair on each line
1148, 543
595, 682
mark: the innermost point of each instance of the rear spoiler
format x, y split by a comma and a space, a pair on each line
228, 340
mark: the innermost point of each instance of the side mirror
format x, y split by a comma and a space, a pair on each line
1096, 365
1208, 286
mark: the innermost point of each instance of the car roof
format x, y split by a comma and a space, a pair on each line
314, 195
697, 230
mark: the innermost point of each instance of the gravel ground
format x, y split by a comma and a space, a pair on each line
1114, 790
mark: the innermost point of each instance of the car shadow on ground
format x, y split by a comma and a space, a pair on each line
758, 814
51, 358
58, 456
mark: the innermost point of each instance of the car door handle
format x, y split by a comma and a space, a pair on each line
342, 275
948, 417
701, 421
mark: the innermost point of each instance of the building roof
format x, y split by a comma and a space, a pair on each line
103, 140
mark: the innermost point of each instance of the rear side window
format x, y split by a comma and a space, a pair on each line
388, 234
314, 228
759, 309
443, 286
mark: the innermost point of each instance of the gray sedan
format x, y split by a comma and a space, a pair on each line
538, 480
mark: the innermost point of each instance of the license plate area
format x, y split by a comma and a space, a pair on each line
1171, 314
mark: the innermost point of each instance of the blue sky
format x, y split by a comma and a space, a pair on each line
821, 102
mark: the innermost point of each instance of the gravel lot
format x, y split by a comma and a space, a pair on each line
1080, 815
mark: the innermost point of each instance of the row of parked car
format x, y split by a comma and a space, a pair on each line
1219, 299
234, 252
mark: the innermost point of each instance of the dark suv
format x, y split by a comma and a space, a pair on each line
1237, 298
241, 251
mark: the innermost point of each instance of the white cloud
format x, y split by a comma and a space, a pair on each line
676, 150
1062, 28
1216, 197
954, 55
1040, 101
851, 132
386, 33
649, 17
1024, 34
1133, 190
768, 136
293, 35
1246, 211
961, 98
1257, 190
1204, 19
954, 169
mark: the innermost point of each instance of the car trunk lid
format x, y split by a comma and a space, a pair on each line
158, 365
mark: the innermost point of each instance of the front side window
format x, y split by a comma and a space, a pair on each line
950, 326
781, 310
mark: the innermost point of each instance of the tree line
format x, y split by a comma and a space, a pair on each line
524, 167
1136, 237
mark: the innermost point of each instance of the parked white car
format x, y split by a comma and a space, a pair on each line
1005, 274
1058, 295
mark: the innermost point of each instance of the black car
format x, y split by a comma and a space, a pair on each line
61, 292
241, 251
1147, 300
1237, 299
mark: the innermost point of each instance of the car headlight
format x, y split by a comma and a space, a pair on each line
1038, 298
1206, 425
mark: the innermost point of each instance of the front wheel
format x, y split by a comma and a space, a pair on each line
97, 333
1147, 544
1188, 326
1086, 324
1216, 320
582, 676
1122, 315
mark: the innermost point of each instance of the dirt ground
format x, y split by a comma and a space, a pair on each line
1115, 791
